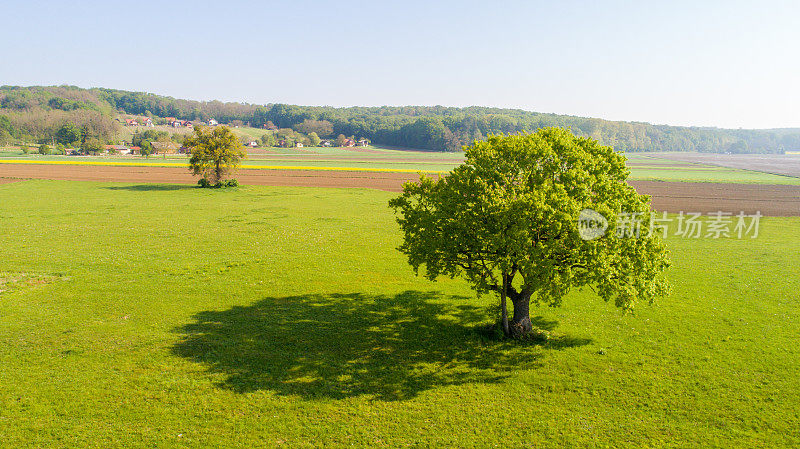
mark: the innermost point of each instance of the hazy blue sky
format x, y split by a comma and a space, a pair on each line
717, 63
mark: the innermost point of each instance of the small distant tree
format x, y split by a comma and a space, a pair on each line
215, 153
5, 137
285, 132
68, 134
92, 146
341, 140
507, 220
289, 142
313, 139
44, 149
146, 148
269, 140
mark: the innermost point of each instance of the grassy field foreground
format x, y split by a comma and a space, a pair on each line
170, 316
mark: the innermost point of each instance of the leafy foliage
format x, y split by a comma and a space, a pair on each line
322, 128
506, 220
215, 152
92, 146
68, 134
206, 184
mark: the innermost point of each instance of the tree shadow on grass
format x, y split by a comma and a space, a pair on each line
345, 345
153, 187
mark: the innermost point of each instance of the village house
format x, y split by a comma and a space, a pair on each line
212, 122
363, 142
349, 143
147, 122
324, 143
131, 122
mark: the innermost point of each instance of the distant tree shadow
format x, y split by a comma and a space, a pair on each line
153, 187
344, 345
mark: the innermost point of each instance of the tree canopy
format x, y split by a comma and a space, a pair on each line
215, 152
507, 221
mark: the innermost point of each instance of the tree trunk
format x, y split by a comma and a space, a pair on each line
503, 308
521, 321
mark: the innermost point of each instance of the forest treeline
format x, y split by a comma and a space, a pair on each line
39, 112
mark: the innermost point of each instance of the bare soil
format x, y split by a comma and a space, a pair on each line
706, 197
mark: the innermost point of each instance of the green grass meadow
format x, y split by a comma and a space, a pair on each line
172, 316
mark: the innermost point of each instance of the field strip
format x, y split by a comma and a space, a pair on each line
705, 197
759, 163
681, 168
246, 167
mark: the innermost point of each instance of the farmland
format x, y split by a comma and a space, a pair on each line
302, 326
498, 225
644, 167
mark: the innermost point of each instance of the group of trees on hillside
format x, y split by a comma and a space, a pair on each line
38, 112
307, 132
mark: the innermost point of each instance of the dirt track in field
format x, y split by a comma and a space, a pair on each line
772, 200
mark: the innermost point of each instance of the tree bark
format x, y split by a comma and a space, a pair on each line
521, 321
503, 308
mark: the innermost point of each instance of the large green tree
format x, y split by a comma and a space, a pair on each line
507, 221
215, 152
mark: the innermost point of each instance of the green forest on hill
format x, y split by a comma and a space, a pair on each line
38, 113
